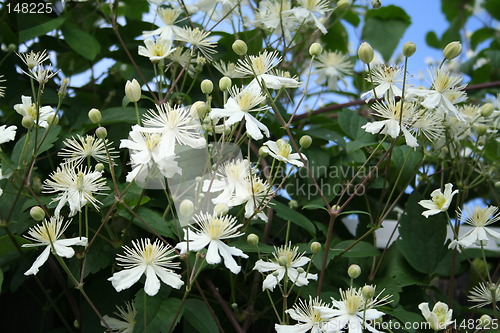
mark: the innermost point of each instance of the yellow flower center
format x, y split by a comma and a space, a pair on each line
245, 101
148, 254
32, 110
47, 232
215, 228
80, 181
353, 302
259, 65
152, 141
439, 200
284, 148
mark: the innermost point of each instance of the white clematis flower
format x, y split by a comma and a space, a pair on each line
282, 151
309, 319
126, 322
151, 259
27, 108
210, 231
439, 201
156, 50
479, 218
286, 261
7, 133
48, 234
439, 318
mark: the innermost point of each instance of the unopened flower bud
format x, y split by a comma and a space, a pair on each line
95, 116
485, 321
344, 3
63, 88
365, 53
253, 239
497, 184
300, 270
409, 49
240, 47
376, 4
354, 271
487, 110
293, 204
99, 167
234, 306
186, 208
36, 185
198, 109
12, 47
133, 90
263, 152
27, 121
276, 273
37, 213
315, 49
305, 141
367, 292
225, 83
207, 87
315, 247
221, 209
101, 132
452, 50
481, 129
52, 119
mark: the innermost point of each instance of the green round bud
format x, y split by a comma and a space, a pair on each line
305, 141
368, 292
376, 4
240, 47
37, 213
95, 116
207, 87
234, 306
52, 120
481, 129
485, 321
63, 88
221, 209
101, 132
344, 3
300, 270
409, 49
487, 110
315, 49
452, 50
186, 208
12, 47
253, 239
28, 121
225, 83
365, 53
497, 184
198, 109
354, 271
315, 247
293, 204
133, 90
263, 151
99, 167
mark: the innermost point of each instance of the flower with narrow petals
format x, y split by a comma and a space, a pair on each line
2, 88
439, 201
308, 9
308, 318
282, 151
34, 59
286, 261
77, 186
156, 50
255, 194
81, 148
168, 16
210, 231
439, 318
49, 234
260, 68
484, 294
151, 259
198, 39
445, 93
277, 17
387, 80
354, 311
126, 322
41, 74
27, 108
7, 133
227, 69
239, 106
332, 67
479, 218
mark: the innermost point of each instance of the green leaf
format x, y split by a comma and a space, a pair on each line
198, 315
81, 42
293, 216
152, 218
421, 239
384, 27
336, 39
493, 7
406, 161
1, 280
480, 36
155, 313
350, 122
48, 143
40, 29
360, 250
8, 250
120, 115
405, 316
